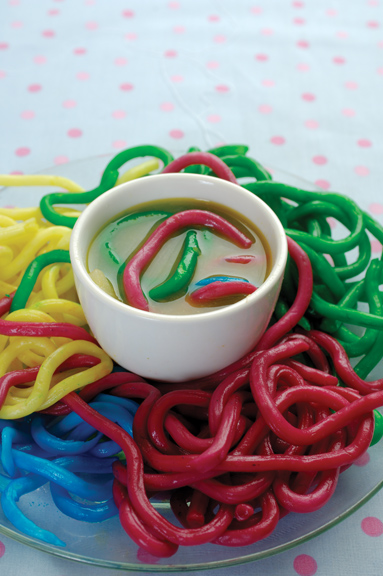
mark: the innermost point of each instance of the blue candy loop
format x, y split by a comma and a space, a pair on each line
54, 445
211, 279
10, 436
86, 512
11, 495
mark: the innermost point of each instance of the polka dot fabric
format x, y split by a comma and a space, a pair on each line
299, 81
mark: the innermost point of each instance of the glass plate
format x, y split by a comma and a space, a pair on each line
106, 544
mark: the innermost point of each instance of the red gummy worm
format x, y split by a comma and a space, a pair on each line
5, 303
135, 477
49, 329
28, 375
134, 268
241, 258
342, 364
205, 158
216, 290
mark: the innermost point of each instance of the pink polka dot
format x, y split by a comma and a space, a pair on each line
82, 75
342, 34
39, 59
4, 46
351, 85
319, 160
214, 118
213, 18
179, 29
118, 114
16, 172
339, 60
24, 151
219, 39
74, 133
268, 83
267, 32
126, 87
348, 112
173, 5
177, 134
17, 24
305, 565
299, 21
34, 88
131, 36
48, 33
376, 247
332, 222
277, 140
308, 97
303, 44
119, 144
380, 44
27, 114
222, 88
120, 61
331, 12
303, 67
364, 143
2, 549
89, 2
380, 71
91, 25
128, 14
256, 10
298, 4
2, 74
372, 526
171, 54
265, 109
324, 184
373, 3
14, 2
361, 170
373, 24
365, 458
261, 57
177, 78
69, 104
311, 124
53, 12
167, 106
212, 64
376, 208
79, 51
61, 160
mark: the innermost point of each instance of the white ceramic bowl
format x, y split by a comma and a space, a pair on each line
162, 346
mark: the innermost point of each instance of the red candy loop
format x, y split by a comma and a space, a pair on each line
204, 158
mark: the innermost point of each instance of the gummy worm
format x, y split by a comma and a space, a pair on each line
134, 268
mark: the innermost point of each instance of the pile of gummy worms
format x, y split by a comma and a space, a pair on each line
239, 449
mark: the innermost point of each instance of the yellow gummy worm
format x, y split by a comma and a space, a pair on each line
7, 220
31, 249
53, 306
23, 231
142, 169
6, 256
39, 180
40, 345
41, 396
62, 286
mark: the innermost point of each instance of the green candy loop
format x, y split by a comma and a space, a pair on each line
183, 273
108, 180
378, 428
29, 278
